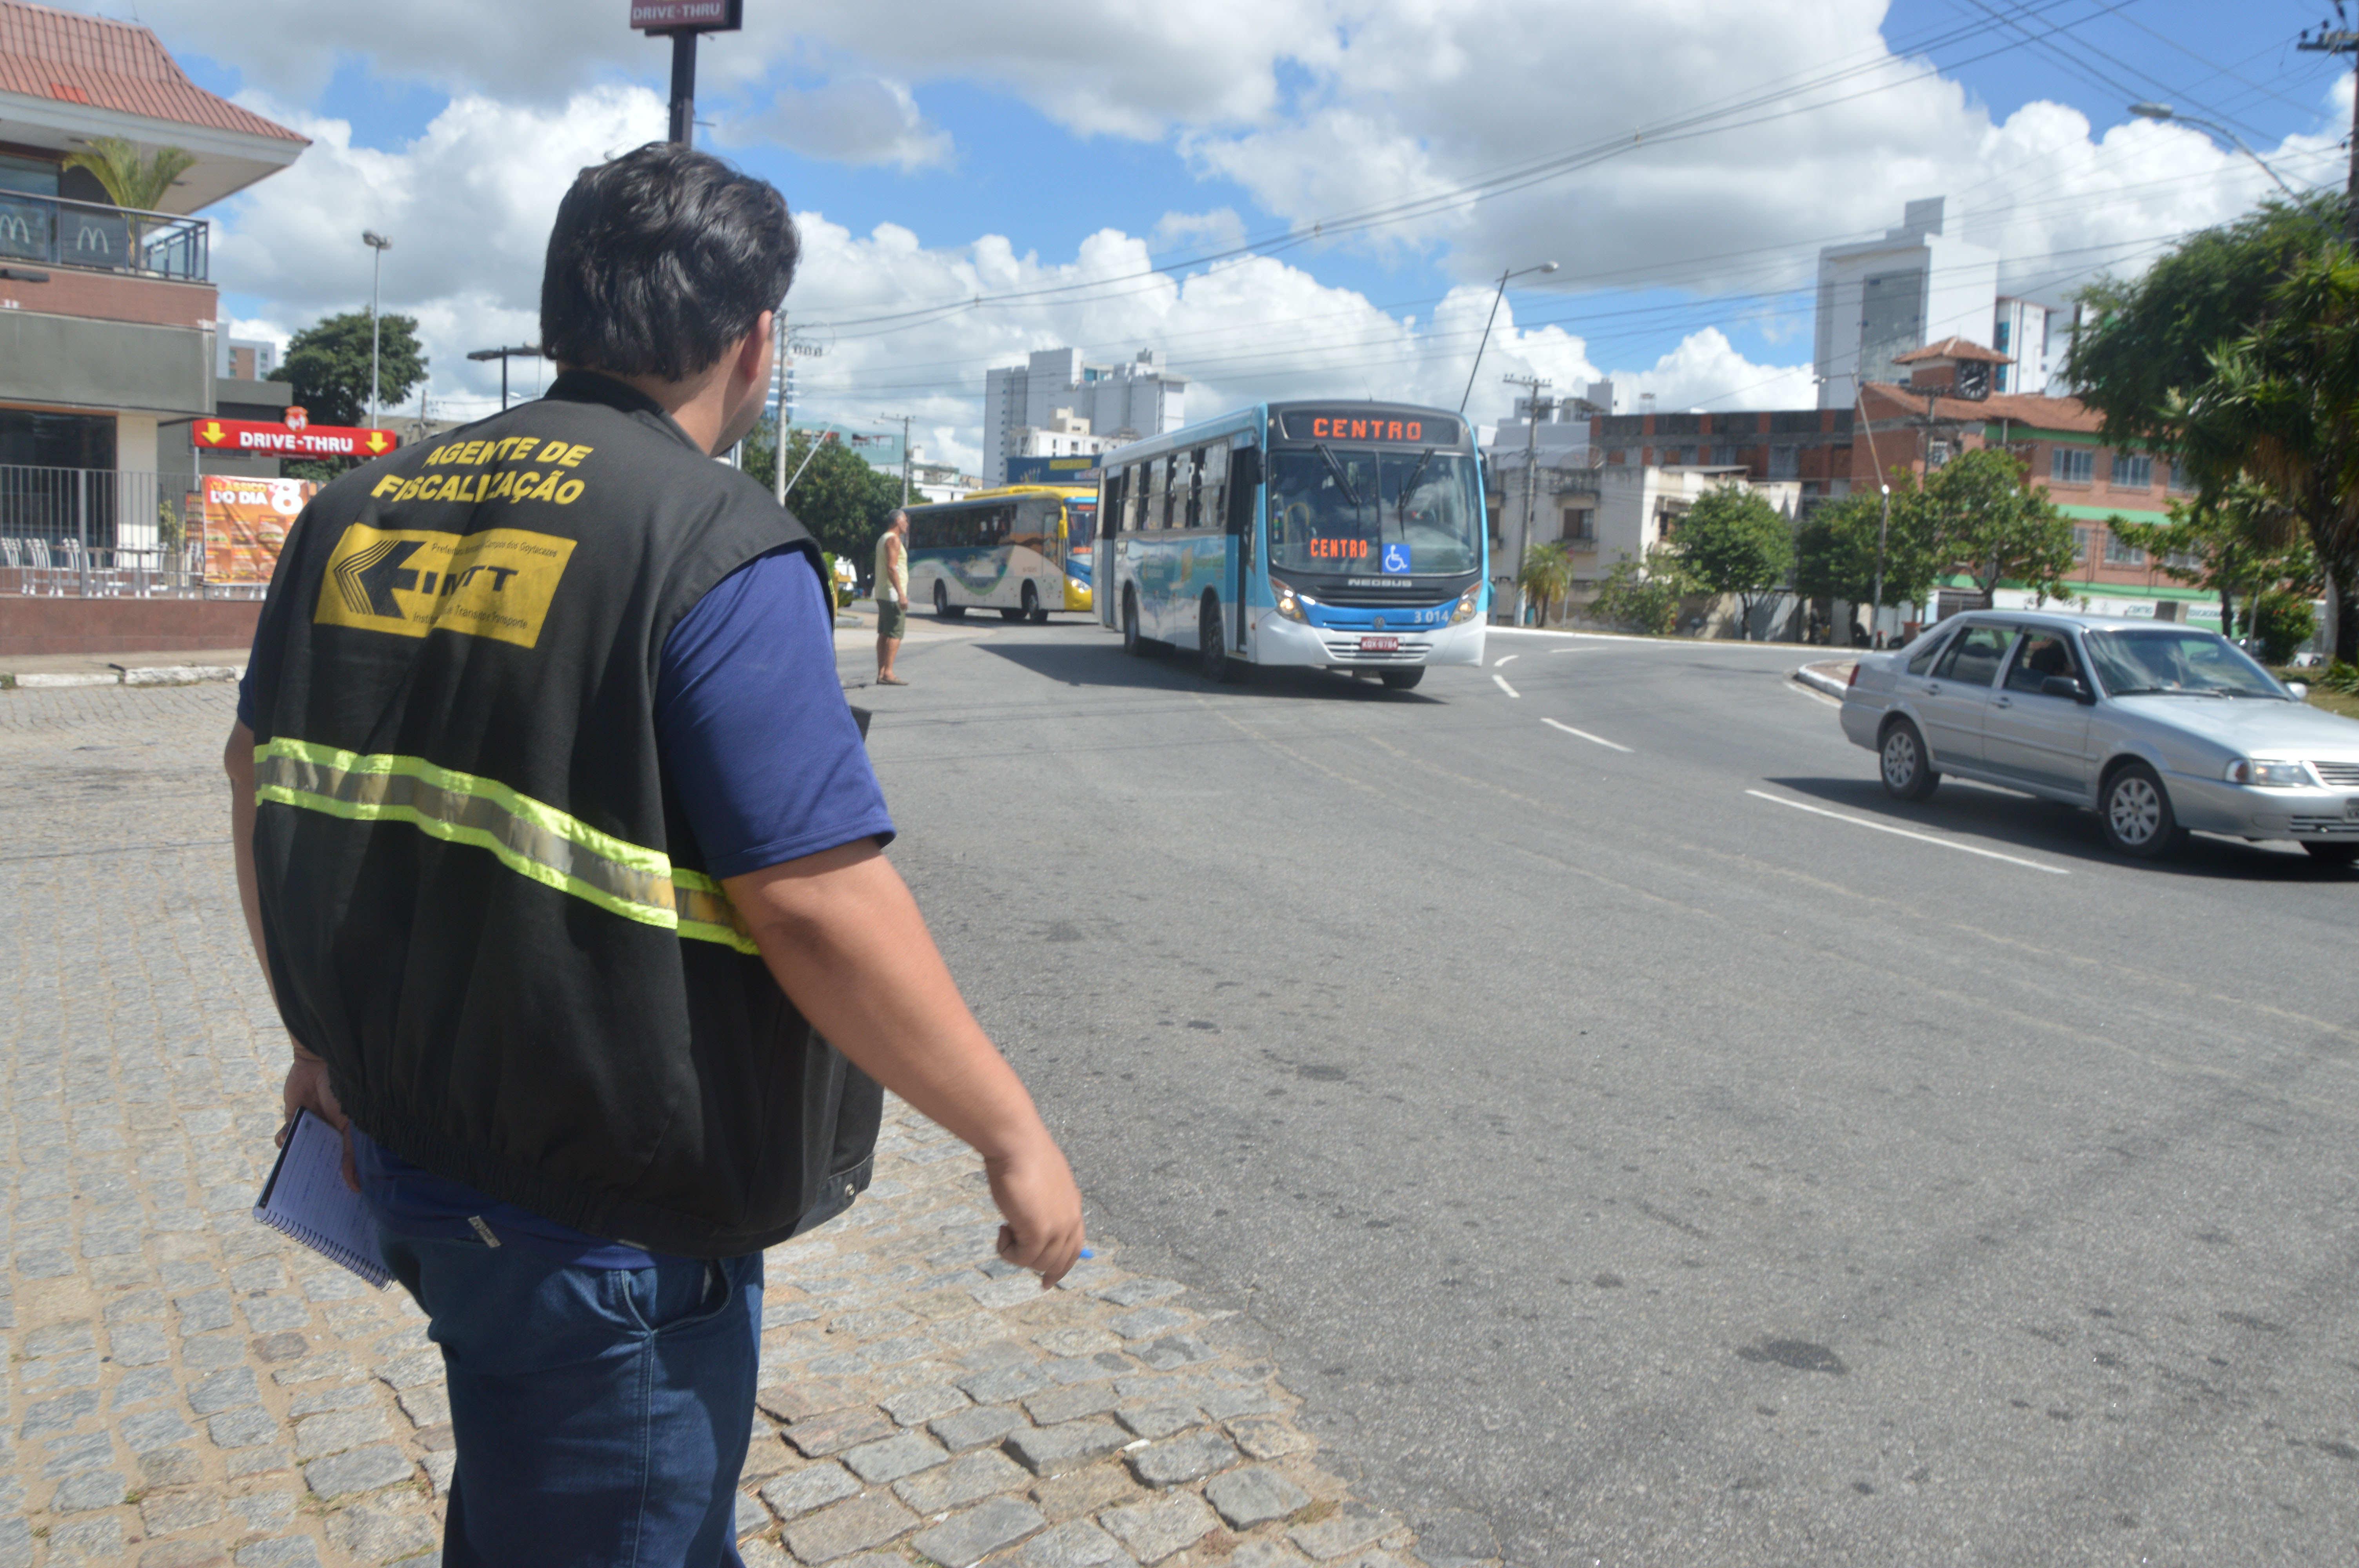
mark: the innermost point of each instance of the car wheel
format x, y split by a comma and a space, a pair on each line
1907, 771
2135, 813
1132, 643
943, 608
1402, 680
2331, 854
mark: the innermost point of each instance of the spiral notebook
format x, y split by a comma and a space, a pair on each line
306, 1198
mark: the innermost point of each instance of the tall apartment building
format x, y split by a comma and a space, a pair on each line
108, 331
1881, 297
1121, 403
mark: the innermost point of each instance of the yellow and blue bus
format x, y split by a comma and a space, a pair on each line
1023, 550
1346, 536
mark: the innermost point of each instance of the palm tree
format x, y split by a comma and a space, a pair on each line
1547, 574
139, 184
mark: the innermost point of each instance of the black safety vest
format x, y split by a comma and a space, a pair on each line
481, 902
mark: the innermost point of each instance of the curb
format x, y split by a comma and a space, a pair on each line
144, 674
1823, 676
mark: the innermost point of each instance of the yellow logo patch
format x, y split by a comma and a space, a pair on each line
409, 581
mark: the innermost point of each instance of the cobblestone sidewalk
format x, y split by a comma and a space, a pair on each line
186, 1388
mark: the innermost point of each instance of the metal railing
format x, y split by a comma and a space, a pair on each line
98, 533
52, 230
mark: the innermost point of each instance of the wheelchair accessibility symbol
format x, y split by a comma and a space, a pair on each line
1396, 558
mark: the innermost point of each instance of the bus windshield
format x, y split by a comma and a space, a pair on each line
1081, 522
1377, 512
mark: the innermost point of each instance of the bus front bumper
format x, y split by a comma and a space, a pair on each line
1279, 641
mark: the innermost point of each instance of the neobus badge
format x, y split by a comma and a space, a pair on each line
1337, 426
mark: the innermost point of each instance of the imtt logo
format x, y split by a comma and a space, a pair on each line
297, 418
498, 583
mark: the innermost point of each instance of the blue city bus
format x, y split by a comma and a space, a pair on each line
1342, 536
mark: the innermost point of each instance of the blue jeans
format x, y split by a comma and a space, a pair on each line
600, 1414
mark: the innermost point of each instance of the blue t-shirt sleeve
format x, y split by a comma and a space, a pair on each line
752, 726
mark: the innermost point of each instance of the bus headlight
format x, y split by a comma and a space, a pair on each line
1468, 603
1290, 603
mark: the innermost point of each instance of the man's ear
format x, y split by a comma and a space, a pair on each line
749, 351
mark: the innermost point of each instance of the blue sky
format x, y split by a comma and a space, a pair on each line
1684, 263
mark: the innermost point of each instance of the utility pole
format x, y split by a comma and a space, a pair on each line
380, 244
1532, 383
789, 347
2341, 39
905, 419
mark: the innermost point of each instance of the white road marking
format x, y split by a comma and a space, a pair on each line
1511, 691
1510, 659
1798, 689
1593, 740
1904, 833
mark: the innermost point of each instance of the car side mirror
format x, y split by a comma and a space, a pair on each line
2300, 691
2067, 686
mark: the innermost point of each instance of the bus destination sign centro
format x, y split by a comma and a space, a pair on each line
1318, 425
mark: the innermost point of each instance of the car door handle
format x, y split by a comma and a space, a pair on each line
2003, 702
1933, 688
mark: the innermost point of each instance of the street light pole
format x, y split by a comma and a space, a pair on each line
503, 355
1502, 294
1531, 471
380, 244
2165, 112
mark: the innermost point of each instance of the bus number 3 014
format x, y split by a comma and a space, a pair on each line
1340, 550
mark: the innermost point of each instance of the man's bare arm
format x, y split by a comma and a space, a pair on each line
846, 942
307, 1077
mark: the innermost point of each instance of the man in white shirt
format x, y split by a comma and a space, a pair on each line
892, 596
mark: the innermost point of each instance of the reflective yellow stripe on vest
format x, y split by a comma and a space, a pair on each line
528, 837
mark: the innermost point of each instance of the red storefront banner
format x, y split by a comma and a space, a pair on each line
246, 524
291, 439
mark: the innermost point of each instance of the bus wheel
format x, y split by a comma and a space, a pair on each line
1132, 643
1401, 680
1212, 642
1032, 611
942, 605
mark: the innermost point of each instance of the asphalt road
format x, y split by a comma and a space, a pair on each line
1632, 1153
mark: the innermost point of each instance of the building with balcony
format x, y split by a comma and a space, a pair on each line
109, 336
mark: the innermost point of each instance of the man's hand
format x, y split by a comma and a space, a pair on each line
307, 1089
1035, 1191
844, 940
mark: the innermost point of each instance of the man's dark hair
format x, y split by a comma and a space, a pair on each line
662, 259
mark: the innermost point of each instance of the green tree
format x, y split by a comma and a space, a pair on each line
2283, 404
1547, 575
841, 499
327, 362
1835, 548
129, 179
1734, 541
2241, 542
1981, 518
1644, 596
2234, 351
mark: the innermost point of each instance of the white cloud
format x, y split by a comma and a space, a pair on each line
849, 120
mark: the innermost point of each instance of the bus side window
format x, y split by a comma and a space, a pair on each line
1212, 476
1244, 474
1192, 470
1175, 485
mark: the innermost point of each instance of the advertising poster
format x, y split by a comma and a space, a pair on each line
246, 522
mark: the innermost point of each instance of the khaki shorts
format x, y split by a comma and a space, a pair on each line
892, 619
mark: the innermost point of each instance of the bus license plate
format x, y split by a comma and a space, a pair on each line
1392, 645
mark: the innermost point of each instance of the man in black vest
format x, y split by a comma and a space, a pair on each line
563, 852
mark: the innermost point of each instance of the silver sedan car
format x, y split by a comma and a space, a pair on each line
2161, 729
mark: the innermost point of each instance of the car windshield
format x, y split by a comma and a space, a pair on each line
2180, 662
1348, 509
